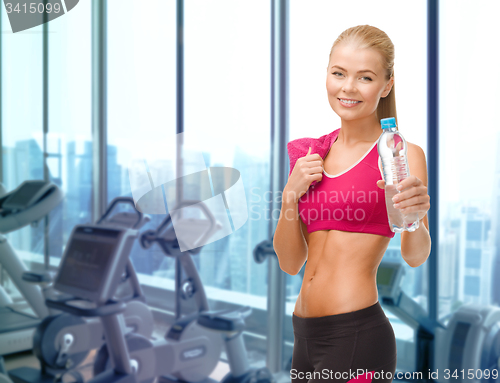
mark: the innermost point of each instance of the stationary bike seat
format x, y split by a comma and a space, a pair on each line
225, 320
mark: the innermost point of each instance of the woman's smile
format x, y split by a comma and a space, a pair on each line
348, 103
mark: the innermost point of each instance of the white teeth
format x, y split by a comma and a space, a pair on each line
349, 102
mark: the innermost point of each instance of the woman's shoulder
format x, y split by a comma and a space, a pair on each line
414, 149
416, 160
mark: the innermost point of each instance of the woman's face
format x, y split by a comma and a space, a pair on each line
356, 74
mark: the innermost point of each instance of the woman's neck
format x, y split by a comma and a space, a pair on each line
353, 132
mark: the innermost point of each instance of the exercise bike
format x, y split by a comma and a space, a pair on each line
191, 349
61, 342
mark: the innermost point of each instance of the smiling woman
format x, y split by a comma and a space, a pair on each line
338, 321
359, 78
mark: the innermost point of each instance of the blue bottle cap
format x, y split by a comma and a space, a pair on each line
388, 123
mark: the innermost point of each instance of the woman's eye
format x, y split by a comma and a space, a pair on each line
337, 74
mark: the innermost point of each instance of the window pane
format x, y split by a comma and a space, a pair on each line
141, 98
468, 156
314, 26
227, 108
69, 142
227, 95
22, 123
68, 124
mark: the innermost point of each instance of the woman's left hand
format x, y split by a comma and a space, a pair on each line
412, 196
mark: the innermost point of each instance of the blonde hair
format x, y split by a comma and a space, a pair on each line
367, 36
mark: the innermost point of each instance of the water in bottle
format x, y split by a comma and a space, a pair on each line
392, 150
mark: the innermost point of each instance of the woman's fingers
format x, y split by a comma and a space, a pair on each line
318, 169
315, 156
419, 199
313, 164
420, 208
410, 192
316, 176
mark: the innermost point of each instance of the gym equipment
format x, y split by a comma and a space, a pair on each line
62, 342
470, 346
191, 349
389, 278
4, 377
228, 323
467, 348
28, 203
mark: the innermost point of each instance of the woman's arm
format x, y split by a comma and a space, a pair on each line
416, 245
290, 241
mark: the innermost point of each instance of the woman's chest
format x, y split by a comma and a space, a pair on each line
353, 195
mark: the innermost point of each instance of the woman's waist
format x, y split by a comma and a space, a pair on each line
342, 265
314, 322
338, 287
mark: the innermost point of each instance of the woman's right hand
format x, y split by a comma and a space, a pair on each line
306, 170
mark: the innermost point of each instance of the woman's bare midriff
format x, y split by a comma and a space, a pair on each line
340, 274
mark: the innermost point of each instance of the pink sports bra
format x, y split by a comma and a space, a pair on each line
349, 201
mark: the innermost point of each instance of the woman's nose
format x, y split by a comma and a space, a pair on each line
349, 86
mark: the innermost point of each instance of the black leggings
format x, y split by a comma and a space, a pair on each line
338, 348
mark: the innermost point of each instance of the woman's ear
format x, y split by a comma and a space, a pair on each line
388, 88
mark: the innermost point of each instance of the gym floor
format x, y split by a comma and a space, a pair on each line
27, 359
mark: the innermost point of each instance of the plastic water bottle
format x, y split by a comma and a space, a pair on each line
392, 149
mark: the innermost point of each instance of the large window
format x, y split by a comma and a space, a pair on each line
22, 120
66, 149
227, 99
141, 100
226, 109
226, 117
314, 26
469, 251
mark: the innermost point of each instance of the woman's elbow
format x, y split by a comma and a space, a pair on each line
287, 269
